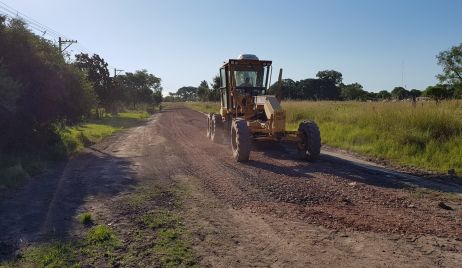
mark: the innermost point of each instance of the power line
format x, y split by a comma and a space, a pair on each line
56, 36
33, 24
27, 18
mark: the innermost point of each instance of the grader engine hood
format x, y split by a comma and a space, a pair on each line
274, 112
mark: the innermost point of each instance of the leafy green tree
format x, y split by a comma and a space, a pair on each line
437, 92
38, 90
97, 73
414, 93
140, 87
187, 93
319, 89
215, 92
330, 75
9, 93
172, 96
457, 94
400, 93
353, 91
203, 91
384, 95
451, 62
371, 96
290, 89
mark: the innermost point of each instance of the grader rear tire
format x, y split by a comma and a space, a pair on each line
218, 129
309, 146
240, 140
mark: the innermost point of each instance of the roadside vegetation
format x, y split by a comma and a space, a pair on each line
52, 105
16, 168
427, 135
206, 107
78, 136
153, 234
99, 246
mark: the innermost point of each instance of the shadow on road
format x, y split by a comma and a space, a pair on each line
347, 169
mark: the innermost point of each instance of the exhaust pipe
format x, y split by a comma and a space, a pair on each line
279, 90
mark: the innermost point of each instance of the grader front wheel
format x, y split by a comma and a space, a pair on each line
309, 146
240, 140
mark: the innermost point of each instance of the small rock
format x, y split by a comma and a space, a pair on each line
411, 206
347, 201
352, 183
444, 206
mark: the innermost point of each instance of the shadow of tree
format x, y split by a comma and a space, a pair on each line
46, 207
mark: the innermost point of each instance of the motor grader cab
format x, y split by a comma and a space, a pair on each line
248, 114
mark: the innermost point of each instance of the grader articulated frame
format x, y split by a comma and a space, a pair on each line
248, 114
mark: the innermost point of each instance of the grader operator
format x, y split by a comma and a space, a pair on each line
248, 115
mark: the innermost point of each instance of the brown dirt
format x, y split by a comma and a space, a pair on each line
272, 211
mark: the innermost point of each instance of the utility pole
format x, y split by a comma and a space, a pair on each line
61, 42
117, 71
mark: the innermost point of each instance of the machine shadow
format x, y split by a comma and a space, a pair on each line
339, 167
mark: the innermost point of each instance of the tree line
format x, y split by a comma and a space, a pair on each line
119, 92
328, 85
41, 92
203, 92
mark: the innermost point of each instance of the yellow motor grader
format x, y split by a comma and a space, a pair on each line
248, 114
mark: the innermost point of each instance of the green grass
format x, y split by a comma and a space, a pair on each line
99, 246
54, 254
15, 169
171, 247
160, 219
100, 234
85, 218
156, 236
77, 137
173, 251
427, 136
206, 107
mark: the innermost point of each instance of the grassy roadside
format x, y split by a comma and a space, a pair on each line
16, 169
206, 107
76, 137
427, 136
152, 233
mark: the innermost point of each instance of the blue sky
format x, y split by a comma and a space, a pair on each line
184, 42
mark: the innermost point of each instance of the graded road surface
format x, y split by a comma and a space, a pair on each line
273, 211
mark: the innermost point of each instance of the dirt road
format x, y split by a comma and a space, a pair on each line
273, 211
